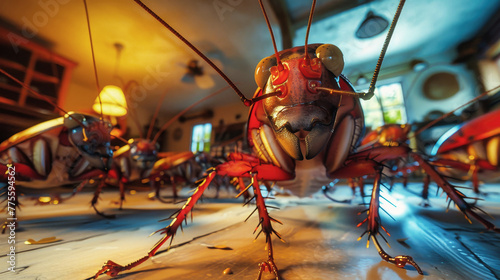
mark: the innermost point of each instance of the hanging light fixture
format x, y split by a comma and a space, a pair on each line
112, 97
371, 26
112, 100
418, 65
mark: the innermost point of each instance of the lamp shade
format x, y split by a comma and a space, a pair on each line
112, 100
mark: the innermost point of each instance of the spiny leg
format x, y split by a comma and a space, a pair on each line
266, 227
475, 178
391, 182
76, 190
352, 184
405, 179
326, 190
456, 196
239, 185
374, 224
156, 183
399, 261
112, 269
361, 182
95, 199
425, 191
121, 185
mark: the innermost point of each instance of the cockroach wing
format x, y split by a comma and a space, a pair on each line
477, 129
32, 132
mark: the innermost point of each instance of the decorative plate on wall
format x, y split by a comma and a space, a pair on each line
440, 85
177, 134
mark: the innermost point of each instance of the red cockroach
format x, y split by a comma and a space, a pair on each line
470, 151
385, 135
65, 150
140, 159
173, 168
305, 109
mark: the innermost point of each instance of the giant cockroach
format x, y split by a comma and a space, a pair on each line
305, 110
470, 151
140, 160
66, 150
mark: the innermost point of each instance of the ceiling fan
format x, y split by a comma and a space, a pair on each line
196, 74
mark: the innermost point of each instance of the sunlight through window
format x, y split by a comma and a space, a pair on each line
387, 106
200, 141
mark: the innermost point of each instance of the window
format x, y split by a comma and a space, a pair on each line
387, 106
200, 141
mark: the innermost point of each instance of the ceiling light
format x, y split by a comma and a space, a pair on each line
112, 100
418, 65
361, 80
371, 26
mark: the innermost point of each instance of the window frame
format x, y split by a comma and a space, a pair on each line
204, 141
380, 113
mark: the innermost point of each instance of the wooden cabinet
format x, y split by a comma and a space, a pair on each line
40, 69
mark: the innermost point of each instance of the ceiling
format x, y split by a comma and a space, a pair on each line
231, 32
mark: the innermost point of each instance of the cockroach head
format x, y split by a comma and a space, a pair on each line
144, 152
330, 56
92, 139
299, 112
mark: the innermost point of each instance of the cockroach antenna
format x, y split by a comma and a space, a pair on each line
247, 102
278, 60
93, 56
155, 115
309, 22
453, 111
371, 90
37, 94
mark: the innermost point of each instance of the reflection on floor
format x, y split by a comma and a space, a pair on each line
320, 239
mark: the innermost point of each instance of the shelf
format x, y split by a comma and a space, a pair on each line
9, 87
12, 65
6, 101
41, 77
39, 69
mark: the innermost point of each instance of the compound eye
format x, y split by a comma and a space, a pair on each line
331, 57
95, 136
109, 126
263, 70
